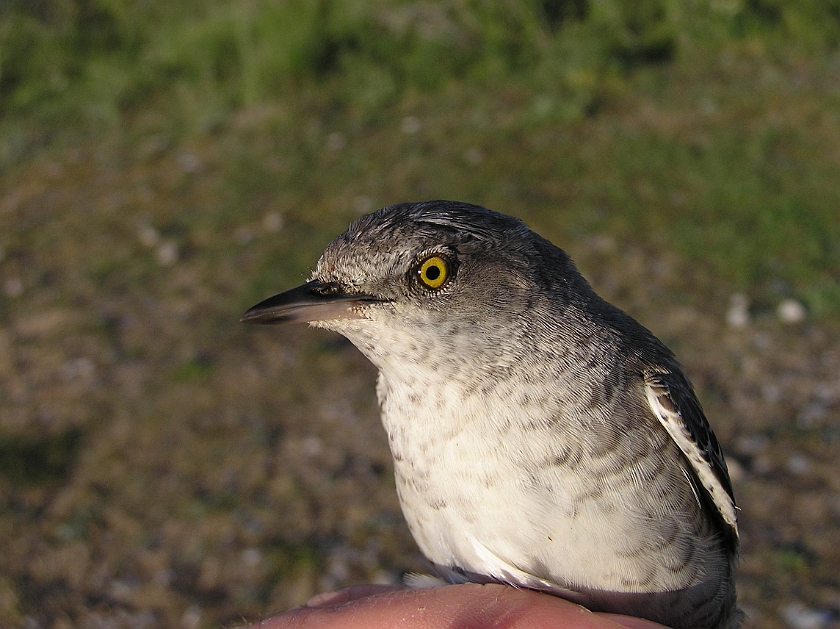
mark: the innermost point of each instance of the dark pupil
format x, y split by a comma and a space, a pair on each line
433, 272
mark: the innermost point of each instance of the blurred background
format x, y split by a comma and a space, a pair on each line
164, 166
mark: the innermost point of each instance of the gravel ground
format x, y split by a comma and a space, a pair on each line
162, 465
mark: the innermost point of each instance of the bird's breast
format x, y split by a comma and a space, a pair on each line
493, 480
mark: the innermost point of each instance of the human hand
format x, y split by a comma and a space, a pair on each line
466, 606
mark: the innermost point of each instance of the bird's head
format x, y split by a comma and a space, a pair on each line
415, 273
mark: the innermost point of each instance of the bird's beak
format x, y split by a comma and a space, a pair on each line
313, 301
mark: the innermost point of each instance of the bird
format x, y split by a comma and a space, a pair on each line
541, 437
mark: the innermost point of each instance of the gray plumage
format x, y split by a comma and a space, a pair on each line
541, 436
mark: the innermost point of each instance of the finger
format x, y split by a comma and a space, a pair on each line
633, 622
467, 606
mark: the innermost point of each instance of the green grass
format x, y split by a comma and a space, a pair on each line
755, 180
97, 59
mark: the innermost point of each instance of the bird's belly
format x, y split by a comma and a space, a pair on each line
470, 506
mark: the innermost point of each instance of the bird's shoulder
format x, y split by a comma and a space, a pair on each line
671, 398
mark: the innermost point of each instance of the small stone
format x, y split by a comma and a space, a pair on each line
154, 146
752, 614
273, 222
474, 155
762, 341
791, 311
798, 464
251, 557
602, 243
13, 287
771, 393
122, 589
312, 446
167, 253
192, 617
189, 163
410, 124
708, 106
763, 465
54, 170
751, 445
243, 235
146, 193
337, 570
383, 577
163, 577
736, 470
827, 391
336, 141
78, 368
148, 236
738, 314
799, 616
812, 415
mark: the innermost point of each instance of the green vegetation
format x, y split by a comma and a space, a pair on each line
98, 59
748, 156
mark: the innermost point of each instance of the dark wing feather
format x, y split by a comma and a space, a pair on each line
675, 405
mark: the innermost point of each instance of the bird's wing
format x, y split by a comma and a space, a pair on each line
674, 404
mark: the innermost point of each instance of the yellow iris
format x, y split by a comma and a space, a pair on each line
434, 271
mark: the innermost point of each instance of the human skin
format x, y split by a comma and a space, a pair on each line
466, 606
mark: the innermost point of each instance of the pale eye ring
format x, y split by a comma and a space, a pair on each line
433, 272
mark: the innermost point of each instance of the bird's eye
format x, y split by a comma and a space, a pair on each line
433, 272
